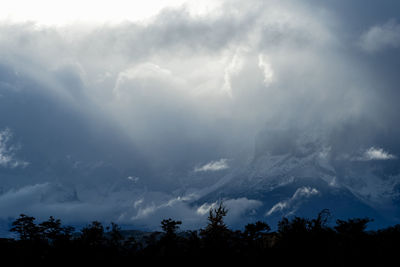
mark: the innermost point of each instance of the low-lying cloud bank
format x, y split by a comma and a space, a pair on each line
142, 209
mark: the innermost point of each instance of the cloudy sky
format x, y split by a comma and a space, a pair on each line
125, 110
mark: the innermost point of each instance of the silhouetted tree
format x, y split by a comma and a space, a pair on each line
355, 226
169, 243
300, 238
26, 228
296, 226
216, 220
115, 234
193, 242
93, 234
132, 245
170, 227
353, 243
254, 237
152, 239
321, 222
297, 241
51, 228
53, 231
216, 236
255, 231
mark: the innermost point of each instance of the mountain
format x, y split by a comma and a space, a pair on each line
62, 158
300, 174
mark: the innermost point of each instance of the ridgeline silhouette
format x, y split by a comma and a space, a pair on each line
296, 241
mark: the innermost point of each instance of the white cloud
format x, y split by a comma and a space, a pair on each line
134, 179
277, 207
266, 67
381, 37
143, 209
153, 210
372, 153
376, 154
233, 68
166, 84
236, 207
63, 12
7, 157
213, 166
294, 202
305, 192
206, 207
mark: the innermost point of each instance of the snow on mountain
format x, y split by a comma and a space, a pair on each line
298, 174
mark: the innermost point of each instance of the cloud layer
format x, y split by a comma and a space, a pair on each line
381, 37
162, 101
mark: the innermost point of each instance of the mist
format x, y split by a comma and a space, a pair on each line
131, 121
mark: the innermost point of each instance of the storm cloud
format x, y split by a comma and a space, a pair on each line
169, 101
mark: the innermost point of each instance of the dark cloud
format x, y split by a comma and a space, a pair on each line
90, 107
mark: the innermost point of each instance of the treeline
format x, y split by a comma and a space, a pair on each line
297, 241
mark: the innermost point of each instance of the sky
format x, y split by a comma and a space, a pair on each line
127, 110
59, 13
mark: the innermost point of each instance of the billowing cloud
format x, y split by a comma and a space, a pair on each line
290, 205
7, 151
141, 209
5, 158
377, 154
170, 100
213, 166
381, 37
266, 68
235, 207
370, 154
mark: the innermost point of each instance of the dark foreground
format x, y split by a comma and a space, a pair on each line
297, 241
